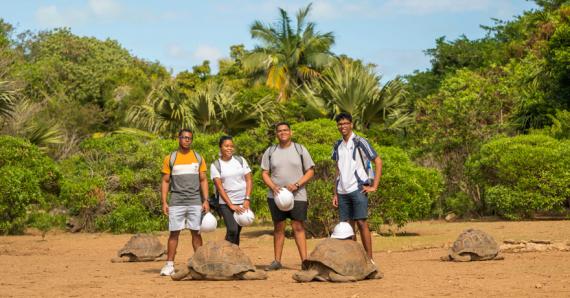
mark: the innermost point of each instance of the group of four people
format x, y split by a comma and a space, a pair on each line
284, 165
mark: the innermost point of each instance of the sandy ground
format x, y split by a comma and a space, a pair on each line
74, 265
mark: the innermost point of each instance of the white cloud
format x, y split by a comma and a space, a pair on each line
105, 8
51, 16
206, 52
178, 52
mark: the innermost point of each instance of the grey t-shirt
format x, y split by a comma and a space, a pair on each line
286, 167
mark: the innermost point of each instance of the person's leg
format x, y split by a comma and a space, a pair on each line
278, 239
298, 217
300, 240
172, 245
365, 236
279, 219
345, 207
175, 225
193, 221
232, 228
361, 217
196, 239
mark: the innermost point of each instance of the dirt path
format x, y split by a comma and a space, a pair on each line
78, 265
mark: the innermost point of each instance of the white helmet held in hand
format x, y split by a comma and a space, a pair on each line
285, 200
343, 230
209, 223
245, 218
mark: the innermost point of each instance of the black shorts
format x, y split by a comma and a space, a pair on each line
299, 211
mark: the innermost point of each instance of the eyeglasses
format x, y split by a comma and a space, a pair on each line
185, 138
344, 124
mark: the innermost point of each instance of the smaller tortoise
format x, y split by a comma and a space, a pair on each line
473, 245
219, 260
141, 248
338, 261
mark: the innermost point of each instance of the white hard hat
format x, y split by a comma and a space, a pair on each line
343, 230
285, 200
245, 218
209, 223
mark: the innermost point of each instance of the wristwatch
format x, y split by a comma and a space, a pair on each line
247, 198
297, 185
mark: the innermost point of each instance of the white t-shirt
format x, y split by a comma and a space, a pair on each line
233, 179
350, 167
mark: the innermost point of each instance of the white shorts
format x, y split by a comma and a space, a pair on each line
184, 217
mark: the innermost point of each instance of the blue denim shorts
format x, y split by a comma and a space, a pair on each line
353, 206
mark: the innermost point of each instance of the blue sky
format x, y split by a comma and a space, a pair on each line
389, 33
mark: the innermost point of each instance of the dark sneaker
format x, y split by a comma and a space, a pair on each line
274, 266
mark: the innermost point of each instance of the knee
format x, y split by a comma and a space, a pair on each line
174, 235
297, 227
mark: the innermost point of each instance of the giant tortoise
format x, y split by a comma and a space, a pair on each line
141, 248
473, 245
338, 261
219, 260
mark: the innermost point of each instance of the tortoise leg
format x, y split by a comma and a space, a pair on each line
196, 275
375, 275
446, 258
305, 275
163, 257
499, 257
462, 258
341, 278
122, 259
181, 274
253, 275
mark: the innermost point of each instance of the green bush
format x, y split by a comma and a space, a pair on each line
21, 153
406, 192
114, 178
19, 188
321, 216
461, 204
29, 179
523, 175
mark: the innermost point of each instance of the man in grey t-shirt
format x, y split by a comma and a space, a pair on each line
287, 165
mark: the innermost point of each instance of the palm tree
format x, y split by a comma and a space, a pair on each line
166, 109
288, 56
7, 99
348, 86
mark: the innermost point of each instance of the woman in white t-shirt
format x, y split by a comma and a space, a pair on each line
232, 179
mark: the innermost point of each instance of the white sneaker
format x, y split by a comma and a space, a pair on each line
167, 270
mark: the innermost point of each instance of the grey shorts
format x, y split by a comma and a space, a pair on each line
184, 217
299, 211
353, 206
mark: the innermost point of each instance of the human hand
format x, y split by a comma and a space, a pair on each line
367, 189
165, 209
335, 201
236, 208
276, 190
292, 187
206, 206
246, 204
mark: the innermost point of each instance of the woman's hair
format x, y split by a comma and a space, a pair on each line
223, 139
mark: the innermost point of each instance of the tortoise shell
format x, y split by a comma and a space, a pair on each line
345, 257
476, 242
220, 259
143, 247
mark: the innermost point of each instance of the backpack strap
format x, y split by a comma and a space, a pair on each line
271, 150
218, 166
299, 150
358, 146
198, 158
172, 160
